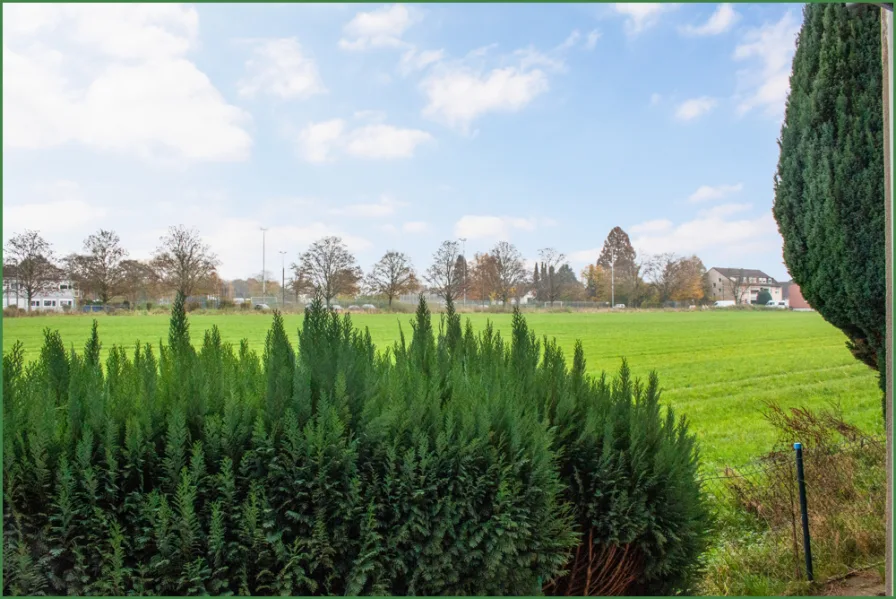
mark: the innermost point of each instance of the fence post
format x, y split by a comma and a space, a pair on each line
801, 483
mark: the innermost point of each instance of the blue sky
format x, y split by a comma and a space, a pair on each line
399, 126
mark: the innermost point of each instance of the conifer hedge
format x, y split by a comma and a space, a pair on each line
452, 463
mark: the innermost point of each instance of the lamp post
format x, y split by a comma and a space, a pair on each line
263, 266
282, 279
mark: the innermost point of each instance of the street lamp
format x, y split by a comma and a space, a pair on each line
283, 279
263, 256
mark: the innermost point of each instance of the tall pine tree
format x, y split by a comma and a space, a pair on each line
829, 187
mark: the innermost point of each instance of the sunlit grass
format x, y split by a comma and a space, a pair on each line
717, 368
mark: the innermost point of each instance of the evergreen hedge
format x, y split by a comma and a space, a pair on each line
452, 463
830, 203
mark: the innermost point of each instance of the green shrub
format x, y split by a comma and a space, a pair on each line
449, 464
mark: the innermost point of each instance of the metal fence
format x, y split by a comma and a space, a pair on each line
835, 480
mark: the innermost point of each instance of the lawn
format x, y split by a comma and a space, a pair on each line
718, 368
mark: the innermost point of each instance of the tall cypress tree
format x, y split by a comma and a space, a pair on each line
829, 187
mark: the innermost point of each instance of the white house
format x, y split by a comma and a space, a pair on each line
60, 297
742, 285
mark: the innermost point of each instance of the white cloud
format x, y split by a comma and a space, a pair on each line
458, 94
719, 22
642, 16
114, 77
319, 141
414, 60
380, 28
496, 228
711, 231
60, 207
384, 142
417, 226
706, 193
591, 41
386, 206
695, 108
280, 68
652, 226
766, 83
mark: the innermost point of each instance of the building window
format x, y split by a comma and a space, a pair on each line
48, 303
35, 303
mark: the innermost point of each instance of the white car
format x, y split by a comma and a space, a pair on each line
777, 305
369, 307
619, 307
262, 307
354, 308
336, 308
724, 304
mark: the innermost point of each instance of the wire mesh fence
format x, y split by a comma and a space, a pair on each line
845, 486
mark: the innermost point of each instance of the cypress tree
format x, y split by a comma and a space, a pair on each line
829, 187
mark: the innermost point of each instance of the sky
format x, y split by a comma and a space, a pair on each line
398, 127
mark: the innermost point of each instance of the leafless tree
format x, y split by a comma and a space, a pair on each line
330, 268
661, 273
737, 282
138, 279
512, 276
444, 276
183, 261
99, 268
551, 261
391, 276
30, 260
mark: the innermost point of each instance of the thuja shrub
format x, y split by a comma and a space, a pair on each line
449, 464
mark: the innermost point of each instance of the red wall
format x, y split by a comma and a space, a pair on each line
796, 298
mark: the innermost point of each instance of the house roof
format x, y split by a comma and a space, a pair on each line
742, 272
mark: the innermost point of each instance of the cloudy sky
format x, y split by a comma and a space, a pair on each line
398, 126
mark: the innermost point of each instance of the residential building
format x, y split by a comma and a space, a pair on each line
61, 296
794, 297
742, 285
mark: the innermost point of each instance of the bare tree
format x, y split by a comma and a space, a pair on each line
551, 260
330, 268
99, 269
391, 276
138, 279
737, 282
443, 276
183, 261
30, 258
511, 272
661, 273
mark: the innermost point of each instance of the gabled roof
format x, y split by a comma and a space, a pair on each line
742, 272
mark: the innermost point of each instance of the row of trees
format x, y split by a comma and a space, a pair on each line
183, 263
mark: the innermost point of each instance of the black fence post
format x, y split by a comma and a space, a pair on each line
801, 483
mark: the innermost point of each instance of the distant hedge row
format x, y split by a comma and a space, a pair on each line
452, 463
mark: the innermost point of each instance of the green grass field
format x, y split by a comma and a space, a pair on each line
718, 368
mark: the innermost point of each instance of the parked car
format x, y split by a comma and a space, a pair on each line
724, 304
369, 307
336, 308
779, 305
355, 308
262, 307
619, 307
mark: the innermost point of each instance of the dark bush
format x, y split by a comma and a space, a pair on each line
450, 464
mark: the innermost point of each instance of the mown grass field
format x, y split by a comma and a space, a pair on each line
718, 368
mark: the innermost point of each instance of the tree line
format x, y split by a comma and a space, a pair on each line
182, 262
